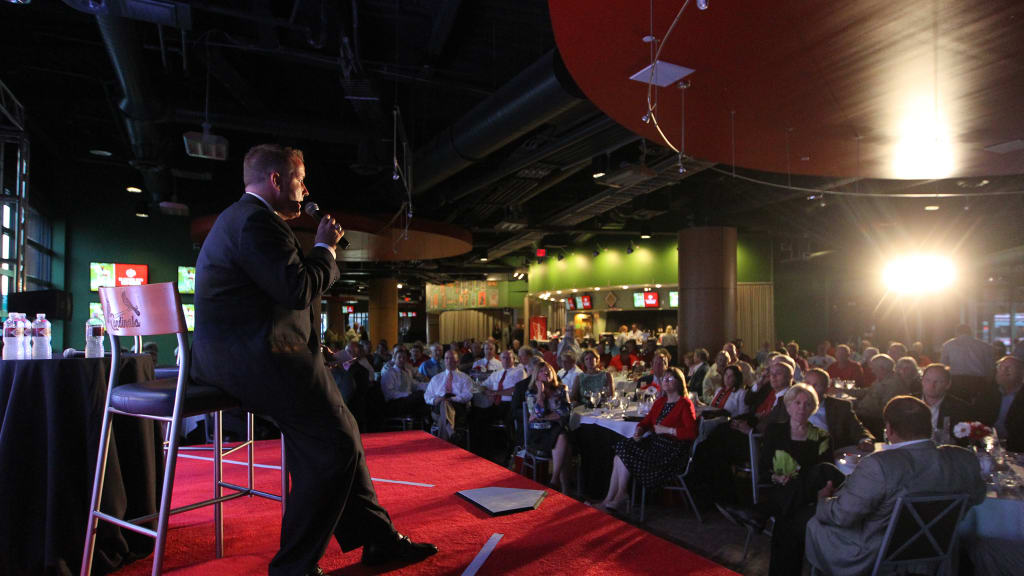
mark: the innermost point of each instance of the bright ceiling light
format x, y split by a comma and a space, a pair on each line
399, 285
133, 189
101, 153
924, 146
919, 274
597, 288
657, 285
625, 287
483, 259
597, 175
931, 208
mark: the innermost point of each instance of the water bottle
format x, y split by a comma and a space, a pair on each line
94, 337
26, 340
12, 342
41, 338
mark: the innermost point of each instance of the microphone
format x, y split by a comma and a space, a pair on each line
313, 210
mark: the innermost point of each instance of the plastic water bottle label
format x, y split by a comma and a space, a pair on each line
95, 331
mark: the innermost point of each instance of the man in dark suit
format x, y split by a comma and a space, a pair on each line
1010, 423
257, 337
935, 384
836, 416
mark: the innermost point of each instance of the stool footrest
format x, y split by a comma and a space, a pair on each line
251, 491
127, 524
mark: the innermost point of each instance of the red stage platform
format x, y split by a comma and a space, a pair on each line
562, 536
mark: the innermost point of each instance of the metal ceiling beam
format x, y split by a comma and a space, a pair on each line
291, 128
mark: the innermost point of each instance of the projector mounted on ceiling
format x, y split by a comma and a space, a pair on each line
206, 145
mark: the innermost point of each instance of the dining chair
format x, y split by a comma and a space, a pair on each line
150, 310
530, 457
705, 430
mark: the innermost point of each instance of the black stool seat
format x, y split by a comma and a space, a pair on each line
156, 397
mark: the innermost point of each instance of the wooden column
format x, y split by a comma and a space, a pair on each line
707, 288
384, 310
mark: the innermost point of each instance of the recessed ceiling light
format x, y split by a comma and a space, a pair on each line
657, 285
625, 287
558, 292
101, 152
134, 189
597, 288
932, 208
645, 236
483, 259
597, 175
142, 215
399, 285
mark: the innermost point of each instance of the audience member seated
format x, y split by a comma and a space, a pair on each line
449, 393
499, 389
353, 380
896, 350
549, 423
848, 524
604, 350
401, 394
836, 416
909, 374
1010, 422
822, 359
593, 377
659, 449
647, 351
416, 356
846, 369
765, 404
865, 364
793, 348
621, 337
490, 362
651, 383
547, 351
728, 399
624, 361
947, 410
797, 457
434, 365
871, 401
917, 351
380, 357
698, 370
713, 377
569, 372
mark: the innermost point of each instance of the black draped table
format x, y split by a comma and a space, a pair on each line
51, 412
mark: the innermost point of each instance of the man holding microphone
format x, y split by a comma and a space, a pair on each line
257, 337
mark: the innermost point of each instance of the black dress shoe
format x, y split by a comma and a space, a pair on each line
399, 549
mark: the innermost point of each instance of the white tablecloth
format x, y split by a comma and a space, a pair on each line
992, 533
617, 425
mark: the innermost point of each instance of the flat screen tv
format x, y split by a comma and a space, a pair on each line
186, 279
650, 299
570, 303
116, 274
95, 308
190, 316
585, 302
673, 299
638, 299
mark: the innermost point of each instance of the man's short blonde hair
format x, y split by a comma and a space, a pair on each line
263, 159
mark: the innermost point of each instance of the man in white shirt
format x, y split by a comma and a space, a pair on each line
569, 371
402, 394
966, 355
449, 392
822, 359
489, 363
495, 405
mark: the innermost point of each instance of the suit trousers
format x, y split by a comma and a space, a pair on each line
331, 491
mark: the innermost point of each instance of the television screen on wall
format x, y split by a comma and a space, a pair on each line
186, 279
638, 299
190, 316
115, 274
673, 299
650, 299
570, 303
95, 308
586, 303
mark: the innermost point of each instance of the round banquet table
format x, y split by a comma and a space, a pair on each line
51, 412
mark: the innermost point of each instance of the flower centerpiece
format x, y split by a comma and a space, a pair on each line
971, 430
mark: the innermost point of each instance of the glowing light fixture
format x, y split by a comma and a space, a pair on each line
399, 285
624, 287
483, 259
919, 274
931, 208
133, 190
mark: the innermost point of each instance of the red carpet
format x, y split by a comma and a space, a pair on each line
562, 536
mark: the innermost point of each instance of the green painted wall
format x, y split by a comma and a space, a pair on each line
511, 294
97, 234
652, 262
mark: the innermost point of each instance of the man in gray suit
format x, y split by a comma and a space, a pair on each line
846, 532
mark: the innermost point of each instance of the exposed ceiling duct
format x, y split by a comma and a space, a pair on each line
139, 105
539, 93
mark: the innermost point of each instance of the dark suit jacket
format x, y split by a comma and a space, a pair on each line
696, 383
257, 307
844, 428
1015, 424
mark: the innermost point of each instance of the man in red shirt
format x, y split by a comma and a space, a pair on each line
624, 361
844, 368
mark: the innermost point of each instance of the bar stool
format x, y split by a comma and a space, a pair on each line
148, 310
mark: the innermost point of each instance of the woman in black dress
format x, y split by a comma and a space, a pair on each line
657, 457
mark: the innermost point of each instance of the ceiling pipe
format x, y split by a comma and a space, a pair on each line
139, 105
539, 93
